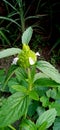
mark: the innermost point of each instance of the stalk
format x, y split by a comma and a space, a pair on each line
29, 79
22, 16
10, 126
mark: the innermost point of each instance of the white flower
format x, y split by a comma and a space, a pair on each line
31, 61
15, 61
37, 54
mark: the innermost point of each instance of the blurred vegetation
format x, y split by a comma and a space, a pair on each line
43, 16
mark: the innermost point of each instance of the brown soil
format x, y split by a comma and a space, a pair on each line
6, 62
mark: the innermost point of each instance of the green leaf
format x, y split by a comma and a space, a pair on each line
26, 37
49, 70
41, 79
9, 52
13, 108
10, 19
8, 3
33, 70
4, 37
19, 3
28, 125
40, 110
20, 74
33, 95
8, 128
46, 82
2, 71
45, 101
43, 126
32, 108
39, 75
12, 82
19, 88
2, 75
5, 128
11, 127
56, 105
48, 116
57, 124
10, 72
51, 93
58, 94
40, 90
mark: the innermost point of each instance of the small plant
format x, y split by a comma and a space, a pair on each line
32, 85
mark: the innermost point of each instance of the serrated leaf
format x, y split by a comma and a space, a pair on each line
49, 70
48, 116
26, 37
28, 125
9, 52
13, 108
33, 95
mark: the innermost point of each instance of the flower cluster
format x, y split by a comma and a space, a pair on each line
26, 57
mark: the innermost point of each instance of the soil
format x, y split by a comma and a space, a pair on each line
6, 62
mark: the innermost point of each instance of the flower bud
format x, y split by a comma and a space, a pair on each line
27, 57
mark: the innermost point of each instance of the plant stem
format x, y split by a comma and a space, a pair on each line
11, 127
29, 79
4, 86
22, 17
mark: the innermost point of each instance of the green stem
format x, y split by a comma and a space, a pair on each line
4, 86
11, 127
22, 17
29, 79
